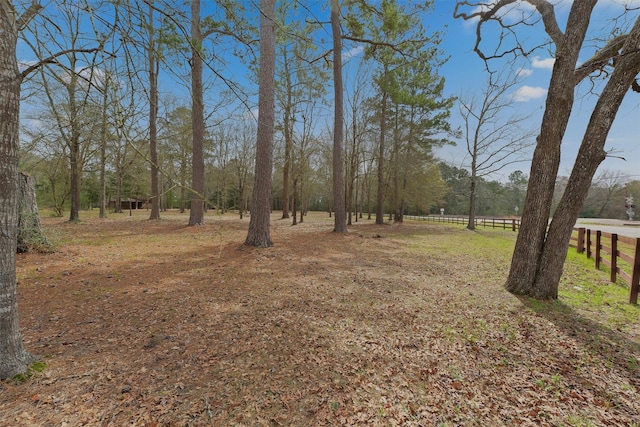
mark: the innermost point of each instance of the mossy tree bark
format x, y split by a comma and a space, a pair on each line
30, 232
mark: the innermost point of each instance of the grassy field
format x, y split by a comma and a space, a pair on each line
155, 323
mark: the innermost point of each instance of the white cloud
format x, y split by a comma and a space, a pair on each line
619, 3
96, 76
527, 93
523, 72
35, 124
346, 56
546, 63
23, 65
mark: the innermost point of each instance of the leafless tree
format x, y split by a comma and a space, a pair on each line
495, 137
607, 188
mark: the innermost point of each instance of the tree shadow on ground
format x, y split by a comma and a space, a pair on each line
618, 352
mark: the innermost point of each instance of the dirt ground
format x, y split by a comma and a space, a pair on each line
153, 323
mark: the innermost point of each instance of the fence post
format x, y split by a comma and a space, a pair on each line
513, 224
588, 243
635, 276
614, 257
598, 248
580, 245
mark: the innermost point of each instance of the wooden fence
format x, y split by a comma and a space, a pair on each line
503, 223
605, 248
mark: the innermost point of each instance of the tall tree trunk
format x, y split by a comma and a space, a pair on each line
294, 202
118, 207
471, 224
288, 142
381, 148
302, 199
340, 221
103, 153
14, 359
153, 114
353, 165
196, 214
182, 195
75, 166
403, 202
395, 164
590, 155
259, 232
285, 171
75, 162
546, 158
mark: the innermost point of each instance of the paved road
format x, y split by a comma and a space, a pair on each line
623, 228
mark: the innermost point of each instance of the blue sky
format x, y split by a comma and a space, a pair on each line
464, 74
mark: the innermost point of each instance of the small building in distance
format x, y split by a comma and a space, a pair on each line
130, 203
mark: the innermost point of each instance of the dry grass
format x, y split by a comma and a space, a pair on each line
155, 323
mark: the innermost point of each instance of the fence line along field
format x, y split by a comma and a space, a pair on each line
155, 323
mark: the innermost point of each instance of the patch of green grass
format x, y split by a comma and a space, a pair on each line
578, 421
585, 289
493, 246
31, 371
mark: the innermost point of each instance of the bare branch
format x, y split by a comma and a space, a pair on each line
602, 58
548, 15
28, 15
394, 46
53, 59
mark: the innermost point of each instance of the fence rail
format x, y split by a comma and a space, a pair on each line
503, 223
605, 249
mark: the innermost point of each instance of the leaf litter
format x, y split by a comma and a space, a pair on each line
153, 323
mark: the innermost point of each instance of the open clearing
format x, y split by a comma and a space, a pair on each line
147, 323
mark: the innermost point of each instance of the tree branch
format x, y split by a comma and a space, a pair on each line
28, 15
487, 11
548, 15
601, 58
52, 59
374, 43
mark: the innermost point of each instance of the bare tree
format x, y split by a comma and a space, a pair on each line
357, 129
299, 81
259, 225
242, 163
494, 137
608, 187
541, 248
66, 85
